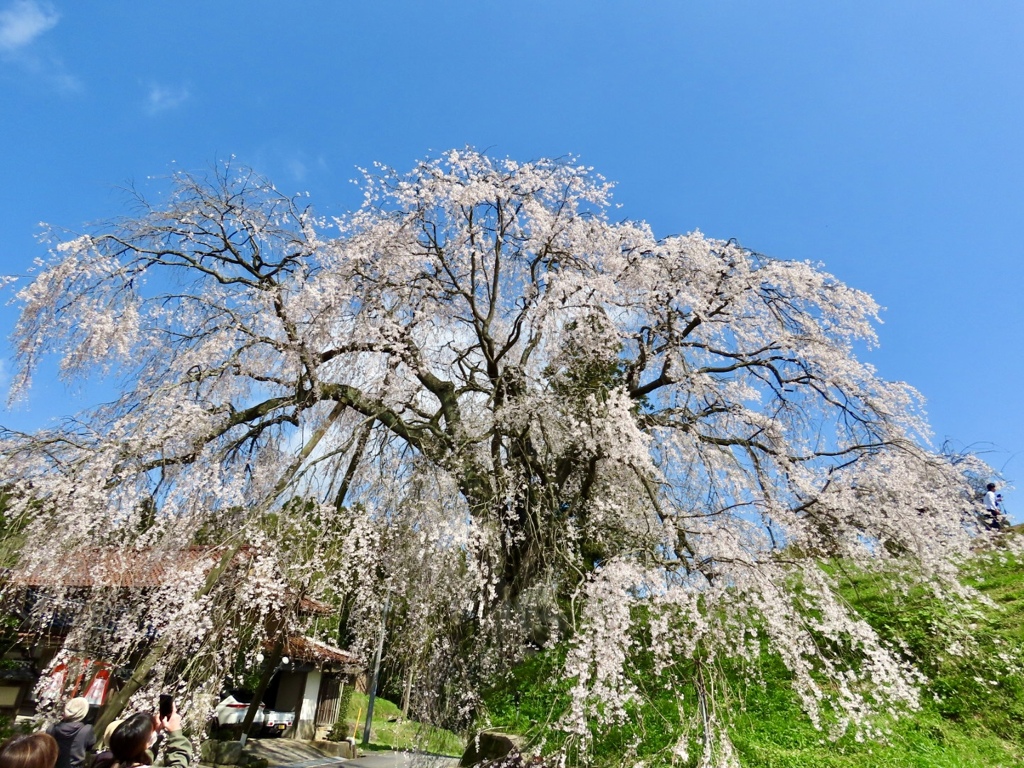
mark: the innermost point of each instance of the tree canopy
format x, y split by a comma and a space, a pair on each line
521, 421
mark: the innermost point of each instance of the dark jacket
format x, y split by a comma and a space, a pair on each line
74, 740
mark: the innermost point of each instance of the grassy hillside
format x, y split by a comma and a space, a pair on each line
390, 731
972, 712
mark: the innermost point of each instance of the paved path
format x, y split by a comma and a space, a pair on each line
291, 753
402, 760
286, 753
321, 762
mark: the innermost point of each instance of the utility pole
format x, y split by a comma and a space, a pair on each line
376, 673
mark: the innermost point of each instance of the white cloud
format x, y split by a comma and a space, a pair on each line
22, 22
297, 169
299, 165
163, 98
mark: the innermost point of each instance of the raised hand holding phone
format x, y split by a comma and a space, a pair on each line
170, 720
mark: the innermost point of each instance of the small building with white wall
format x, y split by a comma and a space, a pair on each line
312, 684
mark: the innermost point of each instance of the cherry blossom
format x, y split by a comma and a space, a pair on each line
513, 418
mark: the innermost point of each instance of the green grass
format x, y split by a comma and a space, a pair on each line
389, 731
972, 712
971, 716
772, 733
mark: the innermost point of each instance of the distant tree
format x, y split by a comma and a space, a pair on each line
533, 419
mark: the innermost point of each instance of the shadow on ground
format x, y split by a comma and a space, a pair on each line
280, 752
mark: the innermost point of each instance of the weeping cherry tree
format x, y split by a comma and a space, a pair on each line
525, 423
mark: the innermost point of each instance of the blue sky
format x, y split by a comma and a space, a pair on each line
879, 138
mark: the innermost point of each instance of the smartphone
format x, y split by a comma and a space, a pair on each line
166, 705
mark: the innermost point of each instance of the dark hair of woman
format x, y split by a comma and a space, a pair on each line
131, 739
39, 750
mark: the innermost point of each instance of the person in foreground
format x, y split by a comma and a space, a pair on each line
75, 738
132, 741
37, 750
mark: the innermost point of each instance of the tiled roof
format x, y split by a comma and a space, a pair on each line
108, 567
308, 606
304, 648
136, 569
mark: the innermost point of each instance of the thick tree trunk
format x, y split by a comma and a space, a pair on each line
269, 667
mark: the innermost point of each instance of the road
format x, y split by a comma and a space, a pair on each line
369, 760
402, 760
288, 753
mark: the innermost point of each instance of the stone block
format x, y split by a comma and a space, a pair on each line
208, 751
490, 745
348, 749
345, 748
229, 753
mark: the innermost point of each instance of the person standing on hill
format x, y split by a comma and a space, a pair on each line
993, 508
74, 737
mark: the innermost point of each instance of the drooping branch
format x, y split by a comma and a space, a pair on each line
514, 403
